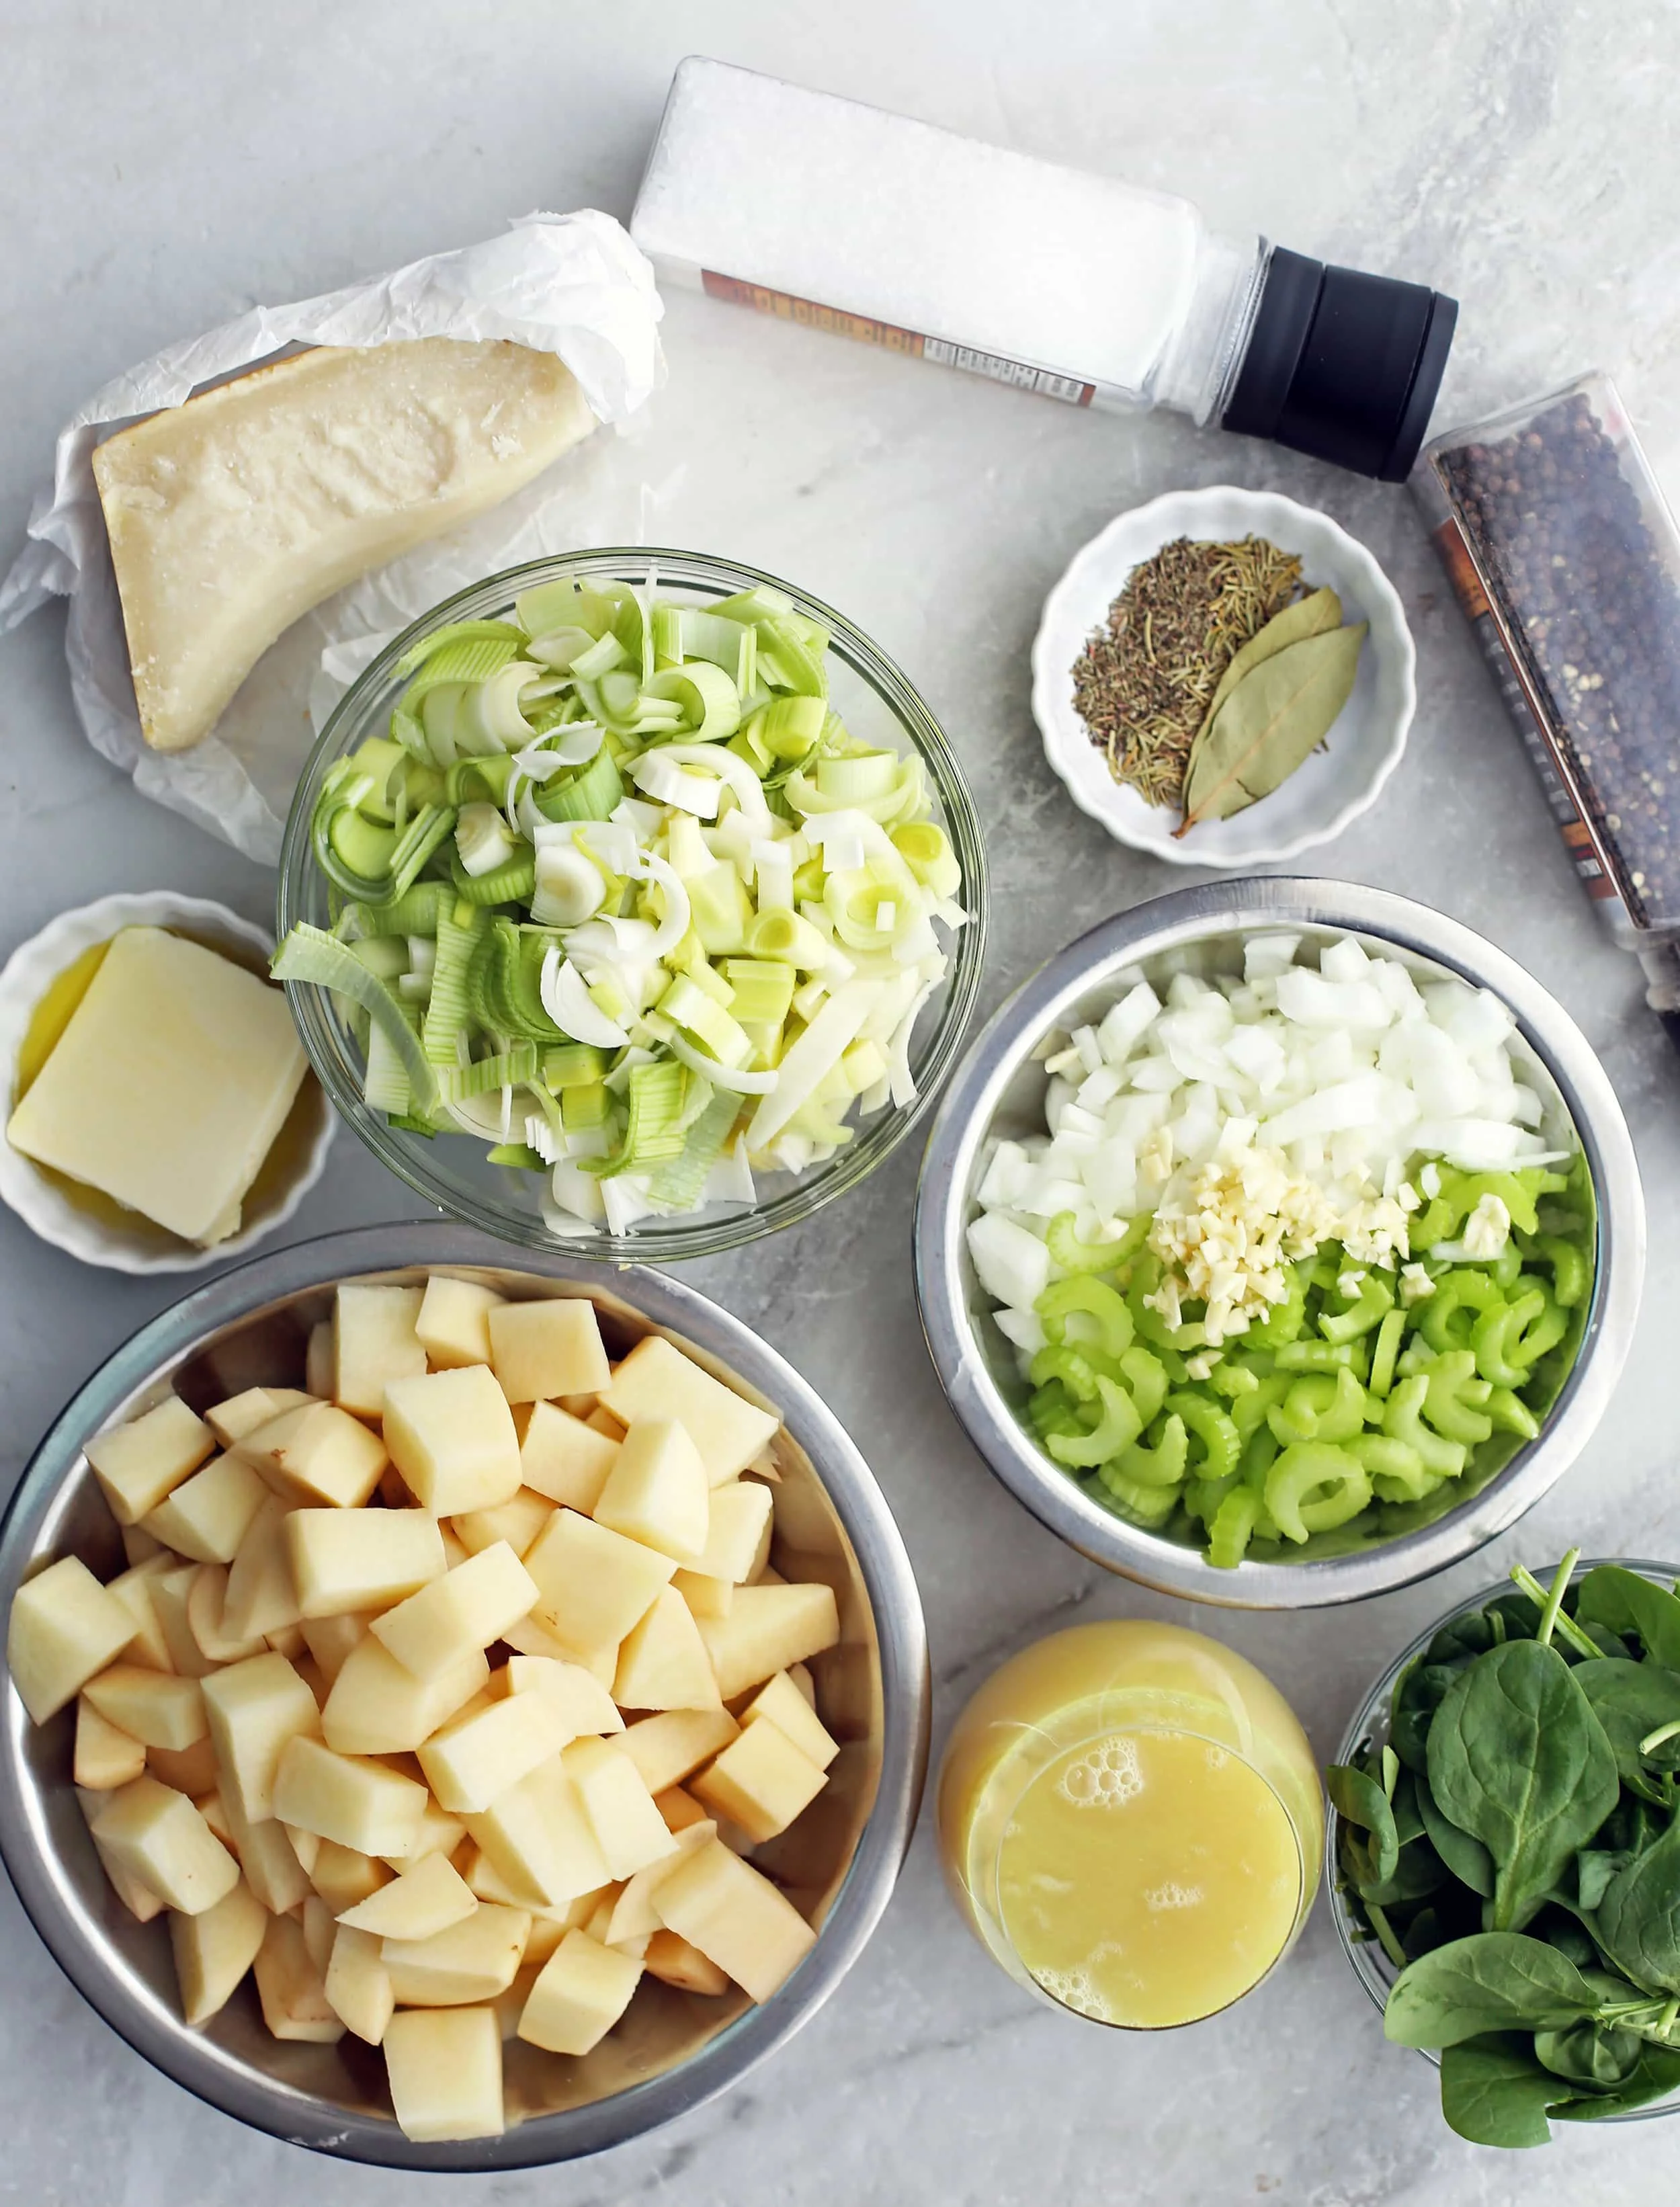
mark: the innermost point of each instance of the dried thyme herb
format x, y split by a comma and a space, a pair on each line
1144, 683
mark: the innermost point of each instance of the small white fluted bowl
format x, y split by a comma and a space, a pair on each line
1337, 784
97, 1231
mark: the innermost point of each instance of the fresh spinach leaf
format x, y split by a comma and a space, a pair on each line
1403, 1801
1638, 1919
1631, 1701
1518, 1760
1621, 1599
1496, 1980
1418, 1871
1594, 1868
1466, 1858
1358, 1799
1657, 2075
1418, 1694
1591, 2055
1493, 2091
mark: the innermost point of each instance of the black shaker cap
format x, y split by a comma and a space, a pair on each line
1342, 365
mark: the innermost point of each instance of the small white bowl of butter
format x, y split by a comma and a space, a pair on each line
42, 985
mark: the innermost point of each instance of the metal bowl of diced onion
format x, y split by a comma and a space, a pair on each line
674, 2050
999, 1093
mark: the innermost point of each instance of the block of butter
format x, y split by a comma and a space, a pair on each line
231, 515
169, 1085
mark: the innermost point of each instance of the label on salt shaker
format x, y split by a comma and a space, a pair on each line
867, 331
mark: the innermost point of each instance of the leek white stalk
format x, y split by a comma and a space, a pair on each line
567, 999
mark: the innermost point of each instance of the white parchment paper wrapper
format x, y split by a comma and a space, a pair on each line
569, 284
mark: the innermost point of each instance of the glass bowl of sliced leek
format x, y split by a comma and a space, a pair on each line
632, 899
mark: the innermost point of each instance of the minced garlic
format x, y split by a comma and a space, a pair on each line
1414, 1285
1227, 1232
1488, 1228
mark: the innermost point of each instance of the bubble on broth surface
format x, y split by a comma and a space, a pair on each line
1106, 1777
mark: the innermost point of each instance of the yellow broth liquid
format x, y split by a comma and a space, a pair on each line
48, 1022
1130, 1819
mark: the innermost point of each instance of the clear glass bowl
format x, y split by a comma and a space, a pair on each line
451, 1170
1369, 1727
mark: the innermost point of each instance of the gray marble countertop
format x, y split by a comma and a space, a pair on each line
161, 168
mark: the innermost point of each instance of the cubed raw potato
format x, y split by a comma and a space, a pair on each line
601, 1420
657, 1490
260, 1595
736, 1917
257, 1406
542, 1349
294, 1998
268, 1859
592, 1583
517, 1521
445, 2067
761, 1782
629, 1829
319, 1930
540, 1839
210, 1806
474, 1760
208, 1618
527, 1637
135, 1589
467, 1609
429, 1896
562, 1457
584, 1703
160, 1838
359, 1803
379, 1707
306, 1845
254, 1709
330, 1640
579, 1994
599, 1923
782, 1704
704, 1597
360, 1559
169, 1594
632, 1916
486, 1882
319, 1361
438, 1834
373, 1343
768, 1628
214, 1949
141, 1903
473, 1960
673, 1960
64, 1627
106, 1756
318, 1453
138, 1544
453, 1323
153, 1707
663, 1663
739, 1526
450, 1435
799, 1674
656, 1380
344, 1877
139, 1464
666, 1748
207, 1515
358, 1985
192, 1770
679, 1808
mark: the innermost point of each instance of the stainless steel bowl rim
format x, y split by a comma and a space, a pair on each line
1361, 1954
877, 1138
961, 1129
299, 2118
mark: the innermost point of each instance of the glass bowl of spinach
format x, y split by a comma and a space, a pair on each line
1504, 1858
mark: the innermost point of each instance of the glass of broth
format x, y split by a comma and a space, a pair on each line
1130, 1820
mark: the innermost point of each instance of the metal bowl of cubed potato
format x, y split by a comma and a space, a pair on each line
193, 1810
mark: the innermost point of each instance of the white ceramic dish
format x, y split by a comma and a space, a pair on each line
133, 1244
1337, 784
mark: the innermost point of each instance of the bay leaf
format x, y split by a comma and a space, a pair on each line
1308, 616
1270, 723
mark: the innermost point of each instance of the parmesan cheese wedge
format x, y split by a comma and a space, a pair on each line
231, 515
